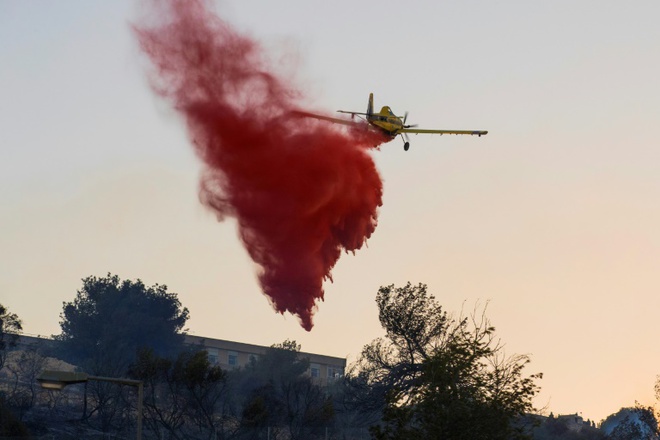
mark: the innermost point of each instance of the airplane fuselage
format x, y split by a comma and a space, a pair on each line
387, 121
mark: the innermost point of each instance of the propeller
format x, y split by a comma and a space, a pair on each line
405, 117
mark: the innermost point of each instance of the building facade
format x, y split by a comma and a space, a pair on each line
230, 355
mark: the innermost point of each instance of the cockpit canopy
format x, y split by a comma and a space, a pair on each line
386, 110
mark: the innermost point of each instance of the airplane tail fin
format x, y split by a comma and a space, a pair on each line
370, 107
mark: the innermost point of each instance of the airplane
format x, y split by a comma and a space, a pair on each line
388, 123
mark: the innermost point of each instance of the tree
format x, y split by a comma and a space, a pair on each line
110, 320
205, 388
557, 428
183, 397
442, 378
358, 404
281, 363
24, 368
10, 426
282, 396
10, 329
638, 423
164, 409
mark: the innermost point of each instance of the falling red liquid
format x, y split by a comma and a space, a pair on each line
301, 190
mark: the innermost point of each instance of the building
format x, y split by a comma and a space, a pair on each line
229, 355
573, 422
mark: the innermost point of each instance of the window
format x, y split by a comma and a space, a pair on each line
315, 370
232, 358
213, 355
335, 372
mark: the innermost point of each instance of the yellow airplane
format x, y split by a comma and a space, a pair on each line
388, 123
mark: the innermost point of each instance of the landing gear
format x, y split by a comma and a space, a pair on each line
406, 141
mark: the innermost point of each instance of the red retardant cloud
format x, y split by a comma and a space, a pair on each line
301, 190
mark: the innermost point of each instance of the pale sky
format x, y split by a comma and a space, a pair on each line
553, 218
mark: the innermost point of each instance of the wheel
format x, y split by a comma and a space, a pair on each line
406, 146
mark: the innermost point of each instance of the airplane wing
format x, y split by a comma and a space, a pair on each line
423, 131
303, 114
352, 113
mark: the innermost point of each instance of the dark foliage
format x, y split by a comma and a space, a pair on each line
561, 428
110, 320
281, 394
10, 328
442, 378
184, 397
638, 423
10, 426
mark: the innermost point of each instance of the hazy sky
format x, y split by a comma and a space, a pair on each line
553, 218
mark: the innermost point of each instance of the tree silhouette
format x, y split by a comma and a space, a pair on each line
110, 320
10, 328
442, 377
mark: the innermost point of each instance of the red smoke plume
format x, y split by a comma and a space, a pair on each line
301, 190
